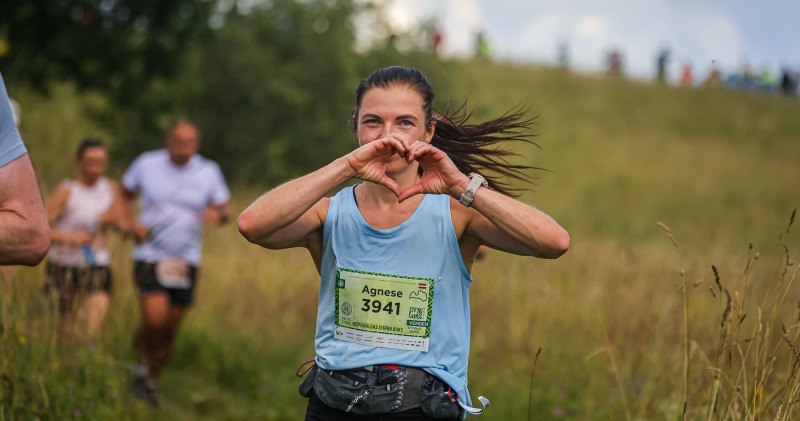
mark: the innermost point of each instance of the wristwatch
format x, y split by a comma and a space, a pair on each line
476, 181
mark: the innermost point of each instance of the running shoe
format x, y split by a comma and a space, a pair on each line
145, 390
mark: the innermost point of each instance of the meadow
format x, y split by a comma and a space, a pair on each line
677, 300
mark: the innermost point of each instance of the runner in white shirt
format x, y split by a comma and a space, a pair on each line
80, 212
179, 191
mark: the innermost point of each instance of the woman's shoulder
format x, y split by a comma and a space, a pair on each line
108, 184
67, 184
342, 196
345, 191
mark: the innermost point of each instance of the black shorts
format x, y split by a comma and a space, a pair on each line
70, 283
144, 275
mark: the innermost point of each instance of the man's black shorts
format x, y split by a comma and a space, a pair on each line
144, 275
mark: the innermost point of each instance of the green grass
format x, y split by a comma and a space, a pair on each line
720, 168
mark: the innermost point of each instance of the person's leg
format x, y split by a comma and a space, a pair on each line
147, 343
7, 273
95, 306
180, 299
150, 335
5, 295
96, 299
61, 283
66, 326
169, 334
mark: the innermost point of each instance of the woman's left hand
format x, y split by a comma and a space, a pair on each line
439, 174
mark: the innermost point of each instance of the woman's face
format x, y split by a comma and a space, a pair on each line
394, 111
92, 163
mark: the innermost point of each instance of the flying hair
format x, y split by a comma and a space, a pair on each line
481, 148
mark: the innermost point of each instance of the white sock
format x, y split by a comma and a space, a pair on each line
140, 370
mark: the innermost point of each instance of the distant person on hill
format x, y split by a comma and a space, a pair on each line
180, 191
482, 46
436, 41
687, 76
563, 55
714, 76
789, 80
767, 80
614, 61
24, 233
81, 211
395, 251
661, 64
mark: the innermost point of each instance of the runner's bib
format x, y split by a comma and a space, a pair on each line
173, 273
382, 310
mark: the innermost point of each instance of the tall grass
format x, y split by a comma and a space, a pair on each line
618, 328
745, 386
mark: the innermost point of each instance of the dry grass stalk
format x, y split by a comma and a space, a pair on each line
530, 387
668, 231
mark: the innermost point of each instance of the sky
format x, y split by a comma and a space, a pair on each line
726, 33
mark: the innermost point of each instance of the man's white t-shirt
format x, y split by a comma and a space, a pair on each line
173, 199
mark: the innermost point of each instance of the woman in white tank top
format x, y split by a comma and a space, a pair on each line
80, 213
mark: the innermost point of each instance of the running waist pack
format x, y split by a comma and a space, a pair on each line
381, 389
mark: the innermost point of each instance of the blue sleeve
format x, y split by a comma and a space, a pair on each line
11, 146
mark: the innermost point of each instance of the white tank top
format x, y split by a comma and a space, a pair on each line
82, 213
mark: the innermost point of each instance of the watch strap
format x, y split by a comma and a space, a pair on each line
476, 181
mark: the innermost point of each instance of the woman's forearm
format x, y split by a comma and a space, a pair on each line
286, 204
522, 228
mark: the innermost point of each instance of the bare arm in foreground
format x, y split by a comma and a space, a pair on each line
24, 231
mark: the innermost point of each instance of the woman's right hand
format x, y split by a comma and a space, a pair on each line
78, 238
139, 233
368, 162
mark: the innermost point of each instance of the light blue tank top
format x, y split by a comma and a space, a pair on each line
424, 246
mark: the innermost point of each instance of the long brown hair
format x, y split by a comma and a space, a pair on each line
472, 147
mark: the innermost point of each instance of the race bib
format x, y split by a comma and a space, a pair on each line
382, 310
173, 273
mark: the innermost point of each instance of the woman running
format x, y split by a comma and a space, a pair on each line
80, 213
395, 251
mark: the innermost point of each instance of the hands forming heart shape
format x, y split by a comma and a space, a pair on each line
439, 175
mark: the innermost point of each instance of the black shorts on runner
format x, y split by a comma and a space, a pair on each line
72, 282
144, 276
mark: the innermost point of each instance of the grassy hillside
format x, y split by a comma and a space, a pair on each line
611, 317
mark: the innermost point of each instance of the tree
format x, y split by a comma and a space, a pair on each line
116, 46
270, 86
271, 91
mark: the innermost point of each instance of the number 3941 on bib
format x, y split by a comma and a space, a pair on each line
388, 311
